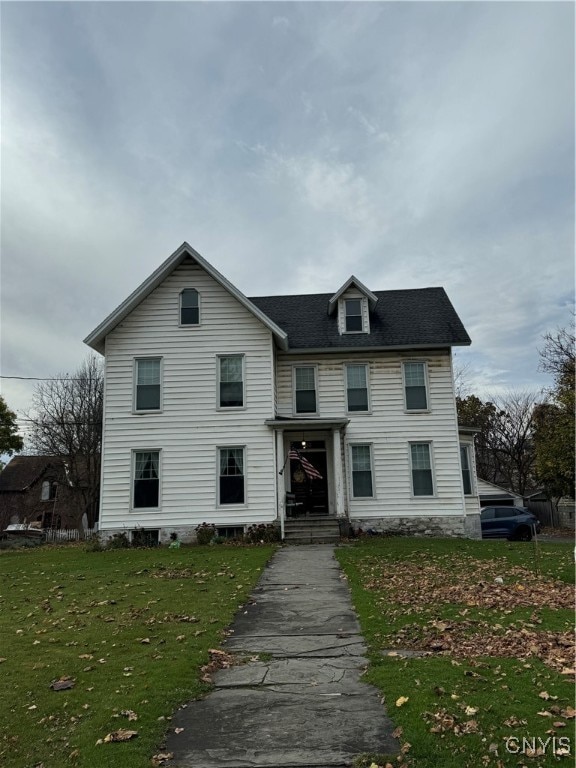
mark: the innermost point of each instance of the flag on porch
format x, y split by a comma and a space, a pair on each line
310, 471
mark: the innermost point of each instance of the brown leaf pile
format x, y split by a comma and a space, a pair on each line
470, 639
468, 582
442, 721
218, 660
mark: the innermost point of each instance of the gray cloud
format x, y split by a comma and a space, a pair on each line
292, 144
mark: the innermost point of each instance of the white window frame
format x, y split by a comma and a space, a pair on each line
426, 386
219, 358
243, 504
304, 414
135, 409
189, 325
469, 454
369, 445
368, 410
133, 478
430, 445
363, 314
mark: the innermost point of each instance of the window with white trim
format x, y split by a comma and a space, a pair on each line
146, 480
357, 388
231, 488
305, 389
361, 467
466, 469
231, 381
353, 319
48, 491
189, 307
421, 461
416, 392
148, 384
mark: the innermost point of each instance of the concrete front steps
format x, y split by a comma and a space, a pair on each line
318, 529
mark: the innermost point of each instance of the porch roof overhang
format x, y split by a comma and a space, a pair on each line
288, 424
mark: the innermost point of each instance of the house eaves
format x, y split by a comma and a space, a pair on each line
96, 339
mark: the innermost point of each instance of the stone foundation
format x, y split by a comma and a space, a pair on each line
434, 527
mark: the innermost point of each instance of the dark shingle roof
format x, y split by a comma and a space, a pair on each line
403, 318
22, 471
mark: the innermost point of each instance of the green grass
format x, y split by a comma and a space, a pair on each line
465, 701
131, 627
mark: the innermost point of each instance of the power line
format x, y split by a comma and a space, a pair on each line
40, 378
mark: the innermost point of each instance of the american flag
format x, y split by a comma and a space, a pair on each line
310, 471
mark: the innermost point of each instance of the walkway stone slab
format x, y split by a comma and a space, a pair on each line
306, 707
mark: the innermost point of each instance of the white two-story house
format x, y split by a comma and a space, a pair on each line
217, 406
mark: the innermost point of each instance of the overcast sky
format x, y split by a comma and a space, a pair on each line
292, 144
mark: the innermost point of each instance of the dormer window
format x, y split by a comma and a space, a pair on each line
353, 315
189, 307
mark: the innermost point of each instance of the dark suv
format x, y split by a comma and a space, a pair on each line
512, 523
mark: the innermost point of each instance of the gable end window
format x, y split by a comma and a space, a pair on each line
231, 381
189, 307
466, 470
146, 482
148, 378
231, 476
48, 491
415, 387
422, 481
353, 321
305, 389
357, 388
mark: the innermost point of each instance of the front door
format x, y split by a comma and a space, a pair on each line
310, 493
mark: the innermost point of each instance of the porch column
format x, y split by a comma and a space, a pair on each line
280, 481
338, 474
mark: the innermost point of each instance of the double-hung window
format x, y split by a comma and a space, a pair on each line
466, 469
305, 389
231, 381
361, 458
415, 386
189, 307
146, 473
231, 476
357, 388
422, 481
353, 321
148, 383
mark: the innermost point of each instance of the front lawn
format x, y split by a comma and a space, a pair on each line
471, 644
130, 629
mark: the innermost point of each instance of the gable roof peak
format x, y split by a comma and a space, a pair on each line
352, 280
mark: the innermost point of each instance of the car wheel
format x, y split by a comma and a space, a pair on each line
523, 534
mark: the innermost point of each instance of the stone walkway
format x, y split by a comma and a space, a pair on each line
305, 705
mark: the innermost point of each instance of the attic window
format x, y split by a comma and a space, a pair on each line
48, 492
353, 316
189, 307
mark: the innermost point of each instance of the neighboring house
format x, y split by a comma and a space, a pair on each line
493, 495
209, 394
38, 489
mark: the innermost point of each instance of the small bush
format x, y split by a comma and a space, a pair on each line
205, 533
94, 543
119, 541
20, 542
263, 533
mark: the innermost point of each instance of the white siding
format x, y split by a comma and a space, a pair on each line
189, 428
389, 429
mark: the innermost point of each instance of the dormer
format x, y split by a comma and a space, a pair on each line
353, 302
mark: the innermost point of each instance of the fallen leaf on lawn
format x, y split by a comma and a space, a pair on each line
559, 724
569, 712
129, 714
162, 758
401, 701
471, 710
544, 713
178, 730
145, 640
180, 638
397, 732
2, 659
120, 735
62, 684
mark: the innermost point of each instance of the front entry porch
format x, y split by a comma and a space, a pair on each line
310, 473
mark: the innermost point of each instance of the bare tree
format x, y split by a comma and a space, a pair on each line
504, 445
66, 421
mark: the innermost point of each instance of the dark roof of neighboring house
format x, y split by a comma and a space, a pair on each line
420, 317
22, 471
